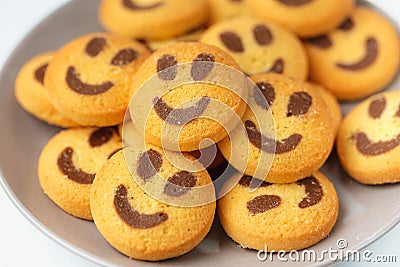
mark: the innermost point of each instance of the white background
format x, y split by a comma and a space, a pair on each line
23, 245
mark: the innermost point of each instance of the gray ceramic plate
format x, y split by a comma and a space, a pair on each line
366, 212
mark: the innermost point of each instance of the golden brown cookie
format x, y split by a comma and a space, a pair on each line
69, 162
157, 19
30, 92
332, 103
192, 35
260, 47
304, 133
210, 157
89, 78
304, 17
369, 138
138, 225
184, 104
357, 59
280, 216
224, 9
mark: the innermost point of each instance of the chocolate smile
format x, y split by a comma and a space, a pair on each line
266, 144
366, 147
131, 5
73, 81
295, 2
180, 116
371, 47
131, 216
67, 167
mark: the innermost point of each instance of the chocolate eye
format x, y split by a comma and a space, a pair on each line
40, 72
398, 112
264, 91
377, 107
299, 104
263, 203
262, 35
202, 66
167, 62
347, 25
232, 41
149, 164
95, 46
124, 57
322, 41
180, 183
100, 136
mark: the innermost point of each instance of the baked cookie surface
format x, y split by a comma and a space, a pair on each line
225, 9
369, 138
31, 95
152, 19
89, 78
140, 226
69, 162
357, 59
184, 105
304, 17
260, 47
304, 133
280, 216
332, 103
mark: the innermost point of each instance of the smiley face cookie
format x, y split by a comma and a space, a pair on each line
138, 225
368, 142
357, 59
198, 96
280, 216
68, 165
224, 9
89, 78
31, 95
304, 132
304, 17
260, 47
152, 19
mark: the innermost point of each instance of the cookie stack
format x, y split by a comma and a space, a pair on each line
299, 55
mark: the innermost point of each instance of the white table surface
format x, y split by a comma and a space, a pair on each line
23, 245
